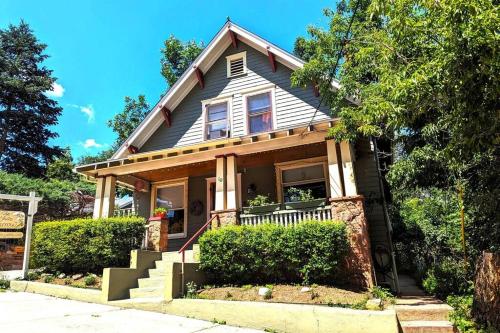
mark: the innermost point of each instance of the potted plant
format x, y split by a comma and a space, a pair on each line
301, 199
160, 212
260, 204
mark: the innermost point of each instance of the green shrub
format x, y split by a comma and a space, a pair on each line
33, 275
90, 280
4, 283
85, 245
448, 277
309, 252
48, 278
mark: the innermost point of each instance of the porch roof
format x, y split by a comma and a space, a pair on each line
125, 168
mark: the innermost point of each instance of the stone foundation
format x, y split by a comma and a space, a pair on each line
157, 235
226, 217
358, 265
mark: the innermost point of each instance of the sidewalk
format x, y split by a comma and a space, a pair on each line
26, 312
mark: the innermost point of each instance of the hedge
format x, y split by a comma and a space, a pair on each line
85, 245
311, 252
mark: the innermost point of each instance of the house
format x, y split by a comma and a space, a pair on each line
233, 127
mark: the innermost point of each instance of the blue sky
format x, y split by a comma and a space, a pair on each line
101, 51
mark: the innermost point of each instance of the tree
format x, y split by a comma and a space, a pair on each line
125, 122
62, 168
26, 113
425, 78
99, 157
177, 56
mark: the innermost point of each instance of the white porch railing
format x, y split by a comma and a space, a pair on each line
287, 217
125, 212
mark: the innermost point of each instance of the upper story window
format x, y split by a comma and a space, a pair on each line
236, 64
260, 112
216, 120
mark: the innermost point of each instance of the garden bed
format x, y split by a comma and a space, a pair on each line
282, 293
88, 281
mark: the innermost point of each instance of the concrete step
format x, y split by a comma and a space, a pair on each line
175, 256
424, 326
156, 272
437, 312
157, 281
146, 292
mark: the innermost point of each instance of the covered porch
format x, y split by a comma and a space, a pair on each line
222, 178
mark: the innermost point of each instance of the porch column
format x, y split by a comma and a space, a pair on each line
232, 182
347, 152
220, 183
99, 192
333, 170
108, 200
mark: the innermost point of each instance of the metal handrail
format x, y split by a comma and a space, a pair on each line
184, 247
200, 231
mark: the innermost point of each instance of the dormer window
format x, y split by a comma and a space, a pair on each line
236, 64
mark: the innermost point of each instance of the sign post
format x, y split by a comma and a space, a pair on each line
15, 220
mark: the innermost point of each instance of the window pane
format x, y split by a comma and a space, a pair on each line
259, 103
216, 130
302, 174
261, 123
175, 221
170, 197
216, 112
318, 190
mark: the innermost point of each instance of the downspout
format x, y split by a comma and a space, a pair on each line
386, 215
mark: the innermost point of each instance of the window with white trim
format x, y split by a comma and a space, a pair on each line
260, 112
236, 64
216, 120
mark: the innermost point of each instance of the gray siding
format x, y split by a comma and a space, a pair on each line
368, 186
294, 106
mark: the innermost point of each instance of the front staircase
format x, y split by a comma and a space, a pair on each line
419, 313
153, 286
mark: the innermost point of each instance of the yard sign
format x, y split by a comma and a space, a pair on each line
15, 220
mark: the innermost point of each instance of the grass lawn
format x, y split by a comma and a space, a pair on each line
282, 293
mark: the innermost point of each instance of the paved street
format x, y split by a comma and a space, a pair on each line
25, 312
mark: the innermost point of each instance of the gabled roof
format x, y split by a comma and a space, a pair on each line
189, 79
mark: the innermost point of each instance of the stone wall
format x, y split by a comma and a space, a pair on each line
157, 235
358, 264
226, 217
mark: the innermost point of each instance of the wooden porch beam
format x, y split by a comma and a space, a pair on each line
272, 59
199, 76
167, 116
201, 156
234, 39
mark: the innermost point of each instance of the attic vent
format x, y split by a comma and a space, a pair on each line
236, 64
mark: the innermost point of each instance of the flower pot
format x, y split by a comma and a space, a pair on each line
161, 215
316, 203
261, 209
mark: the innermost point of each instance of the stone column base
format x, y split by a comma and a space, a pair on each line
226, 217
358, 264
157, 235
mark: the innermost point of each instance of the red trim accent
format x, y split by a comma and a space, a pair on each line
199, 75
315, 89
272, 59
133, 149
234, 39
167, 115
